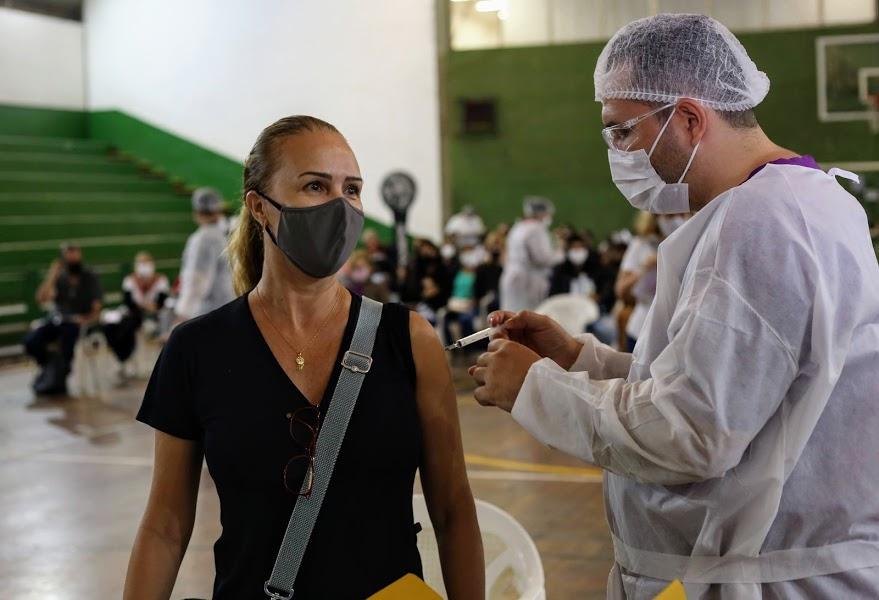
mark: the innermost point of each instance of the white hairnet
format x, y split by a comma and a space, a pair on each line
207, 200
666, 57
534, 206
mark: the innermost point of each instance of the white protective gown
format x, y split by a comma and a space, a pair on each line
530, 257
205, 275
741, 439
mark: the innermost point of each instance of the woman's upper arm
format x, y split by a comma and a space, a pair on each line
176, 472
443, 472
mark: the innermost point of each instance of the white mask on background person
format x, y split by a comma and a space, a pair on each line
144, 270
638, 181
668, 225
470, 259
448, 251
578, 256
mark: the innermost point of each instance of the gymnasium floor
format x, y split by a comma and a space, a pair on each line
74, 477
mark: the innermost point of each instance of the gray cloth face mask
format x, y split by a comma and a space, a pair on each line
317, 239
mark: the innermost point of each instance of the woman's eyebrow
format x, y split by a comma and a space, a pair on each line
328, 176
316, 174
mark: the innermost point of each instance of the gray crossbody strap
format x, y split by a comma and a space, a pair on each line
356, 364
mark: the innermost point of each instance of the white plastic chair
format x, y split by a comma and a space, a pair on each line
91, 367
572, 312
146, 351
513, 567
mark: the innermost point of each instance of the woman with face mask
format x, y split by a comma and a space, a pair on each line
144, 292
462, 306
248, 387
574, 274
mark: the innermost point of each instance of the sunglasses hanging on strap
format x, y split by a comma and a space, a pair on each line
356, 362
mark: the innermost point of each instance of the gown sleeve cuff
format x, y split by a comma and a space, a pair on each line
584, 360
543, 408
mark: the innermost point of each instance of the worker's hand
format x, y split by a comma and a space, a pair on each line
539, 333
500, 373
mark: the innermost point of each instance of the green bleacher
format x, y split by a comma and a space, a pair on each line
56, 189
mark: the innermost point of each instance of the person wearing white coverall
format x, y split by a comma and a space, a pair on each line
205, 273
739, 440
530, 257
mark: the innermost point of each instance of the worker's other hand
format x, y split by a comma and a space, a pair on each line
500, 373
539, 333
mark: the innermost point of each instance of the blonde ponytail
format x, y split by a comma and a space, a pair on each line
246, 252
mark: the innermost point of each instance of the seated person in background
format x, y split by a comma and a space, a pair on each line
75, 292
563, 234
462, 306
143, 295
574, 275
358, 277
610, 256
449, 254
381, 257
636, 282
426, 263
488, 274
432, 300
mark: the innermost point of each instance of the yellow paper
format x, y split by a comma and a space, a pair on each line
409, 587
675, 591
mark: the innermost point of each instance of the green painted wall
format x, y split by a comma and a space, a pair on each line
167, 153
161, 151
43, 122
548, 141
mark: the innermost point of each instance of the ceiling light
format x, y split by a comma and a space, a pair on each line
488, 6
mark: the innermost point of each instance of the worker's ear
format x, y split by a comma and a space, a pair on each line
695, 118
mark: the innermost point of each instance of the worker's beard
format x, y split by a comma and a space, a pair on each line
670, 158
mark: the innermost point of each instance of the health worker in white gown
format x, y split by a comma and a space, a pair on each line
739, 440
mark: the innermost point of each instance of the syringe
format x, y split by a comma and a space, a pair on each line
472, 339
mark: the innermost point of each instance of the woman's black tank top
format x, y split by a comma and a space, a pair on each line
218, 383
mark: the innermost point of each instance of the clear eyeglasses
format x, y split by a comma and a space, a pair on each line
622, 136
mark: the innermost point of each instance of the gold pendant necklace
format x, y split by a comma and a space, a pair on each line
300, 357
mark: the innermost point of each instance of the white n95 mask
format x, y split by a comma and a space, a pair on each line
642, 186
